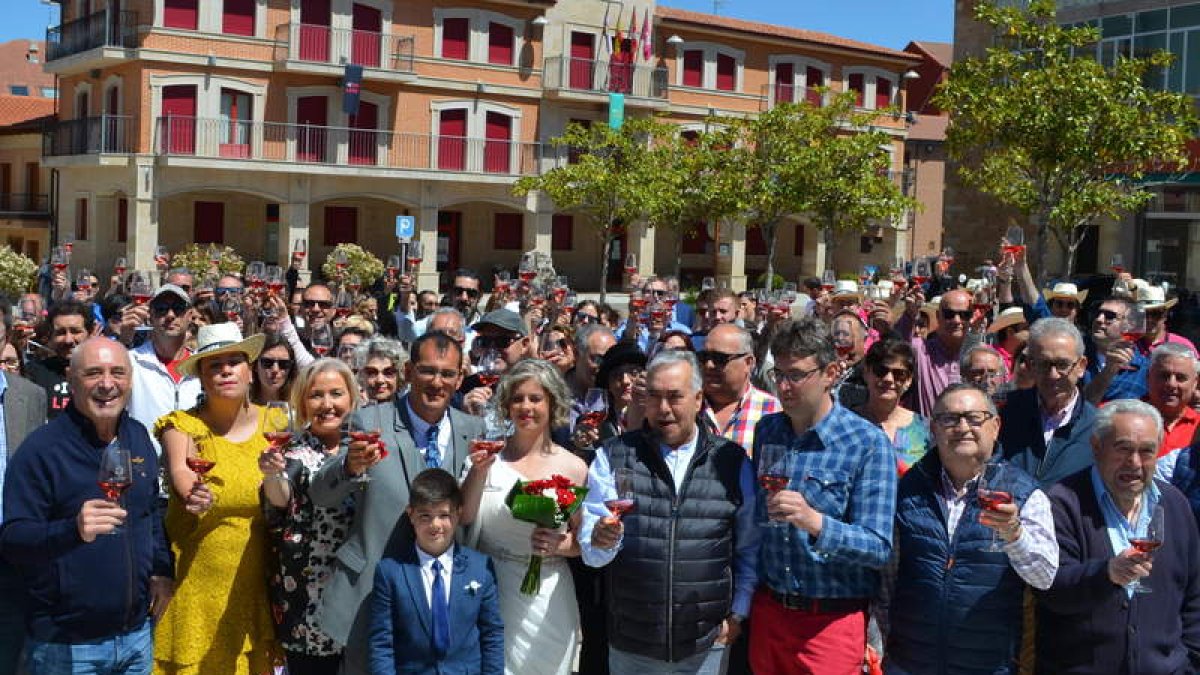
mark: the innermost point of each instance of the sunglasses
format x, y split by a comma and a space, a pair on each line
160, 308
267, 364
718, 359
226, 291
964, 314
376, 372
470, 292
1108, 314
950, 420
323, 304
586, 318
496, 341
898, 374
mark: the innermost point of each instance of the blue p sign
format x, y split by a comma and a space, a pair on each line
406, 227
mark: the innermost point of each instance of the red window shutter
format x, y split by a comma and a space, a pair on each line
238, 17
726, 72
814, 78
698, 241
500, 44
562, 231
364, 143
798, 244
883, 92
341, 225
366, 40
122, 219
452, 142
81, 219
692, 137
693, 68
785, 83
756, 243
208, 224
455, 38
179, 111
855, 83
181, 14
497, 149
507, 229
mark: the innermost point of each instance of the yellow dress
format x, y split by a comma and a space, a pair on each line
220, 619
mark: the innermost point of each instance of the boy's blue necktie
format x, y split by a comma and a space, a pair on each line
441, 613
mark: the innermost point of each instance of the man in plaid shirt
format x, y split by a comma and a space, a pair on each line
732, 406
830, 530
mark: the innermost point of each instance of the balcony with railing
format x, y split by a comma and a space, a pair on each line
301, 144
18, 205
589, 76
773, 95
302, 46
105, 134
106, 28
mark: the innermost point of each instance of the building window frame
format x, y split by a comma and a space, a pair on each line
708, 78
478, 34
800, 66
869, 76
477, 112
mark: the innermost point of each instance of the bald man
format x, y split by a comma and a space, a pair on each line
937, 354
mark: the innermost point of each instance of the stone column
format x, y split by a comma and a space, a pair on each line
143, 216
427, 233
293, 225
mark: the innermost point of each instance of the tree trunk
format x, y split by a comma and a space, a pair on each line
827, 233
1072, 248
771, 232
607, 251
679, 255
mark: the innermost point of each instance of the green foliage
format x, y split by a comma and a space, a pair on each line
1063, 139
17, 272
196, 258
359, 263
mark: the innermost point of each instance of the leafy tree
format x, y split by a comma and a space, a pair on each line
609, 185
1057, 135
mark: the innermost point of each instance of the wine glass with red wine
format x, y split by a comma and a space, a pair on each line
116, 474
991, 493
280, 425
775, 466
489, 367
321, 339
492, 441
1133, 329
199, 464
595, 408
625, 501
1147, 543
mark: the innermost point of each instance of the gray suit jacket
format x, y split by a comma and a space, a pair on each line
24, 410
378, 521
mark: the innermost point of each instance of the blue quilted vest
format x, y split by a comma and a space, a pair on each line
956, 608
1187, 477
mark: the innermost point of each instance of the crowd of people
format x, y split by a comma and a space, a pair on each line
837, 476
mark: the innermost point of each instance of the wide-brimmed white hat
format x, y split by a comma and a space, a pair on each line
846, 288
221, 338
1009, 317
1154, 297
1064, 290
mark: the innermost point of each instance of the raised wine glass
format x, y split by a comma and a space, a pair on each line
416, 253
139, 288
595, 408
321, 339
990, 494
116, 475
626, 499
488, 367
775, 468
280, 425
1148, 543
1015, 236
921, 271
495, 434
828, 280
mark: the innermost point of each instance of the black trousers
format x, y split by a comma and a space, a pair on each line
593, 618
303, 664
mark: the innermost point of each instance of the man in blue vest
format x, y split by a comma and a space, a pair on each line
956, 605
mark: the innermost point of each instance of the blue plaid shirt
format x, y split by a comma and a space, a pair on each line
845, 469
1125, 384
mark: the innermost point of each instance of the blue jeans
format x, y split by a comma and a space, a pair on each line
129, 653
712, 662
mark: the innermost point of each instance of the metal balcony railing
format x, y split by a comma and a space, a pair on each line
105, 28
12, 203
106, 134
601, 76
778, 93
339, 46
343, 146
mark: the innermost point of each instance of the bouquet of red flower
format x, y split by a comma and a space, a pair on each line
546, 503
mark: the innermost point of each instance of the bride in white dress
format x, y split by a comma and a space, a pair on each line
541, 632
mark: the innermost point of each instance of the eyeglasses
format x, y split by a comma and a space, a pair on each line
658, 292
982, 374
792, 377
226, 290
10, 362
561, 343
160, 308
1062, 366
586, 318
323, 304
898, 374
431, 373
1108, 315
267, 364
376, 372
470, 292
974, 418
718, 359
964, 314
496, 341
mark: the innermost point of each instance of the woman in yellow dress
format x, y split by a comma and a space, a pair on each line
219, 620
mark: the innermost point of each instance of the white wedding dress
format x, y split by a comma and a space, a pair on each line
541, 632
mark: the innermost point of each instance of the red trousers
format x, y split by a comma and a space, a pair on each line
785, 641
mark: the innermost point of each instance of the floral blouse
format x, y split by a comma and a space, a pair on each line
303, 539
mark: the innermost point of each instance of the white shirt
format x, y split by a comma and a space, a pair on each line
1054, 422
420, 432
426, 560
154, 392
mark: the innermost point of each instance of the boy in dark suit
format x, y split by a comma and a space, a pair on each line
435, 607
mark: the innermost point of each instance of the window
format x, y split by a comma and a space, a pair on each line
452, 140
501, 41
693, 68
855, 84
883, 93
81, 219
235, 123
756, 243
49, 92
785, 83
179, 118
18, 90
562, 230
726, 73
238, 17
364, 145
341, 225
181, 14
455, 38
798, 242
507, 231
873, 89
699, 241
573, 153
208, 223
311, 114
814, 77
122, 220
497, 149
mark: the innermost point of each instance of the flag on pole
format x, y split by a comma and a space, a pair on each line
616, 50
605, 45
647, 45
633, 36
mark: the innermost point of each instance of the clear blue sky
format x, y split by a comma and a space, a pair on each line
882, 22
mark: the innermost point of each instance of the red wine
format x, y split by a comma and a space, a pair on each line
1014, 249
484, 445
120, 271
58, 267
658, 315
983, 307
630, 270
342, 312
489, 378
1118, 270
919, 280
619, 507
392, 271
527, 276
321, 351
275, 287
773, 482
277, 439
637, 305
1132, 336
232, 316
68, 246
256, 283
990, 499
592, 418
365, 436
1145, 545
568, 310
843, 350
200, 466
113, 489
413, 262
827, 287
